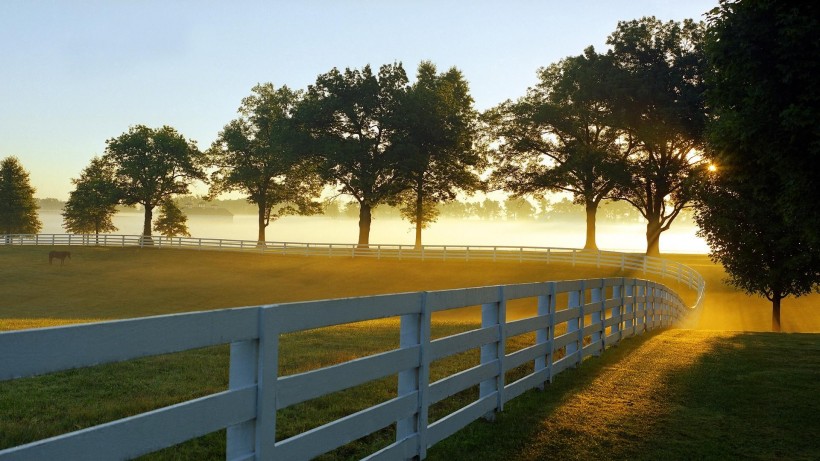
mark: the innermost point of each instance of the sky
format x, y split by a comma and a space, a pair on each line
74, 74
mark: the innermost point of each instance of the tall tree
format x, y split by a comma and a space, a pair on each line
172, 222
151, 165
18, 208
660, 102
561, 137
351, 121
438, 133
758, 215
93, 202
256, 155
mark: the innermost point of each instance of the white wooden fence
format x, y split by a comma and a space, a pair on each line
598, 313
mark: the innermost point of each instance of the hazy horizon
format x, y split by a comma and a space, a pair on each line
612, 236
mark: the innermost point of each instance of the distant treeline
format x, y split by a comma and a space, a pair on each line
511, 209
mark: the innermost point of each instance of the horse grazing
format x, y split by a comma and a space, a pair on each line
61, 255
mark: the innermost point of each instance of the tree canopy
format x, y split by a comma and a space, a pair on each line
18, 209
562, 136
436, 141
757, 213
172, 222
257, 155
351, 119
660, 102
93, 202
151, 165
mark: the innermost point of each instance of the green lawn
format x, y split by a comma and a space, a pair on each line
107, 283
674, 395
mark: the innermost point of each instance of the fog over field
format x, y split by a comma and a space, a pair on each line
629, 237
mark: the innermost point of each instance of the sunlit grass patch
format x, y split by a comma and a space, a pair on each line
676, 394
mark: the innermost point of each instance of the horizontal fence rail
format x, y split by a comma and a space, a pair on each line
592, 315
625, 261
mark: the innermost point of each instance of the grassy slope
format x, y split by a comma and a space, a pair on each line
117, 283
95, 285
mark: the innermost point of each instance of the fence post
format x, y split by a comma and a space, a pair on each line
415, 331
629, 301
663, 315
598, 295
268, 366
546, 307
647, 306
241, 438
641, 308
576, 299
617, 293
494, 315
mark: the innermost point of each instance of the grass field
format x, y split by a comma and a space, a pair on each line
674, 395
107, 283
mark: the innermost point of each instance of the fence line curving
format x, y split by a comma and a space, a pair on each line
592, 315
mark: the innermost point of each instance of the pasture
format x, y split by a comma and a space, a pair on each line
108, 283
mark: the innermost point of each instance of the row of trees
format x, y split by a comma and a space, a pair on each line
622, 125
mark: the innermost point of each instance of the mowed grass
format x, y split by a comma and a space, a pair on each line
108, 283
671, 395
111, 283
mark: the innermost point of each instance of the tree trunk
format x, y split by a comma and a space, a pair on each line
653, 238
260, 238
776, 297
364, 224
419, 220
592, 210
146, 225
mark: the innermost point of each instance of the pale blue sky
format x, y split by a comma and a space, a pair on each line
76, 73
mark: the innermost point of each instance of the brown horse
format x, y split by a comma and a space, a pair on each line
61, 255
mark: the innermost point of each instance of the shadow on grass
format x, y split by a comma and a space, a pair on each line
677, 394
